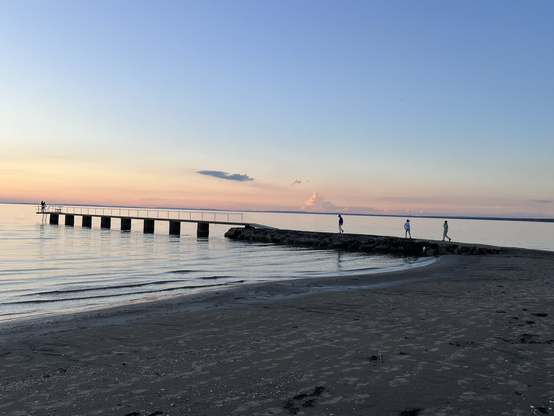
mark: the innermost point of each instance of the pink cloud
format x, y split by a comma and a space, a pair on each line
317, 202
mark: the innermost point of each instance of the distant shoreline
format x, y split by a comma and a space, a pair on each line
353, 214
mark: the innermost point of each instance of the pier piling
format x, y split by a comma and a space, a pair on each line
125, 224
203, 229
174, 227
87, 221
148, 227
105, 222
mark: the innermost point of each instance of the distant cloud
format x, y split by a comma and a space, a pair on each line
224, 175
365, 210
317, 202
296, 182
542, 201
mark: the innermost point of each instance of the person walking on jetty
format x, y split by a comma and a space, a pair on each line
340, 225
407, 231
445, 231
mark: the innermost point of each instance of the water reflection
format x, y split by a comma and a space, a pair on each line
339, 260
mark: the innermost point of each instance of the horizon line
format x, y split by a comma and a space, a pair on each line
435, 216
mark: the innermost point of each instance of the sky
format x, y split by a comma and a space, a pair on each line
419, 107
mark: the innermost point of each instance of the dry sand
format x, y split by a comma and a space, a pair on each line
467, 335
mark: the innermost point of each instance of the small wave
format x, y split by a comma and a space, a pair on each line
183, 271
46, 301
215, 277
92, 289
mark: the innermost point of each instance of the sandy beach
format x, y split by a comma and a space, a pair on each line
467, 335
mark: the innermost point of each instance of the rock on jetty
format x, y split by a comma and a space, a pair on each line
358, 242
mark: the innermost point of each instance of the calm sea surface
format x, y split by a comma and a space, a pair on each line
49, 269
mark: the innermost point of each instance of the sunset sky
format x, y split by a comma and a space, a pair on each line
435, 107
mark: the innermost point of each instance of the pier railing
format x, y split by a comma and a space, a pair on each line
141, 213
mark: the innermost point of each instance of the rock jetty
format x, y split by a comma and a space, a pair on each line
358, 242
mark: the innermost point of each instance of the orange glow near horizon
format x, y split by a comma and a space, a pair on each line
234, 196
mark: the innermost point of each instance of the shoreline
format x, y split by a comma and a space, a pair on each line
201, 293
465, 335
218, 297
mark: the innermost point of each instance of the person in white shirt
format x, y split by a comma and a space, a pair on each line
445, 231
407, 231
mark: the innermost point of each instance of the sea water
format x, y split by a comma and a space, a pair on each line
50, 269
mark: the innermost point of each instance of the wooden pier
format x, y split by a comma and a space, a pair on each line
203, 219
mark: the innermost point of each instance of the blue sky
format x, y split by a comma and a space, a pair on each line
359, 106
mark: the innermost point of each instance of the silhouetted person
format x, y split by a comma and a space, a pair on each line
340, 224
445, 231
42, 205
407, 231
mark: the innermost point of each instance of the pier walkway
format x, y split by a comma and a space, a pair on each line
203, 219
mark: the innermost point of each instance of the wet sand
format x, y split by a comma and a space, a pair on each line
467, 335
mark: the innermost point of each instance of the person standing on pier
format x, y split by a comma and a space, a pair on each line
407, 231
340, 225
445, 231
